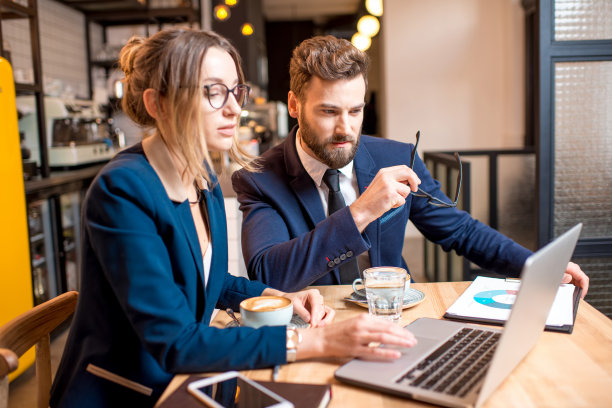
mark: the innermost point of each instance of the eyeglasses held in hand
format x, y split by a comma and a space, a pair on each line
217, 94
431, 199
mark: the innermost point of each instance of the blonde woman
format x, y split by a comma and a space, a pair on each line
155, 244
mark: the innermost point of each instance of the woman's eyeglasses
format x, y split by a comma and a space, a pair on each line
217, 94
431, 199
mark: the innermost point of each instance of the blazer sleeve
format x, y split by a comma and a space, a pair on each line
456, 230
280, 249
122, 222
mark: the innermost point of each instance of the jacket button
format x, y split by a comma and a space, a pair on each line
349, 254
337, 261
331, 264
342, 257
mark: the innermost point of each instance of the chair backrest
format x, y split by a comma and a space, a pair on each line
26, 330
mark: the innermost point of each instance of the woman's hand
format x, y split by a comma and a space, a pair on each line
356, 337
308, 304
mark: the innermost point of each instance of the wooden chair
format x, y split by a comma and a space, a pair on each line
26, 330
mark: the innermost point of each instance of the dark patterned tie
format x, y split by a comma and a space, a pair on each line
349, 270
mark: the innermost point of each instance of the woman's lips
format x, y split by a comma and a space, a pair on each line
227, 130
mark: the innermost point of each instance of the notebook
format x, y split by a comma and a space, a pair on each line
459, 364
489, 301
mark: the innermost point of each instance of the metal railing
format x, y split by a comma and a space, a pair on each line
448, 266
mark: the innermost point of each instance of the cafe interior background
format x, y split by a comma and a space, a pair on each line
522, 89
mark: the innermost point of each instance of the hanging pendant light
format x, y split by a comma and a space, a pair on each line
221, 12
247, 29
374, 7
361, 42
368, 25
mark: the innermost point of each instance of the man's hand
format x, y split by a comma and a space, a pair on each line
573, 274
308, 304
389, 189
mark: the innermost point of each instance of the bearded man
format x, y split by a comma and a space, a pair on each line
329, 202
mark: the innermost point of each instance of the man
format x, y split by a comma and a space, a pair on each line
291, 240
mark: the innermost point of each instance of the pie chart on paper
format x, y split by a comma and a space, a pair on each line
499, 299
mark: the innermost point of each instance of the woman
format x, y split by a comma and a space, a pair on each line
155, 243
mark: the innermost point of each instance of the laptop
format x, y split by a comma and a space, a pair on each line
459, 364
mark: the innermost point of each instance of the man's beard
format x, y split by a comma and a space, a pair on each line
334, 159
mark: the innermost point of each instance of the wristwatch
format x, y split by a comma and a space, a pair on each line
294, 338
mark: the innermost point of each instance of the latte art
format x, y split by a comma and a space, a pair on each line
265, 303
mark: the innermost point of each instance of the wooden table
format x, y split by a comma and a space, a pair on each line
562, 370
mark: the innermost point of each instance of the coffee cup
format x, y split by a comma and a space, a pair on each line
266, 311
362, 293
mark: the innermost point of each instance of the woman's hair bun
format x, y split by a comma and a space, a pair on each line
127, 56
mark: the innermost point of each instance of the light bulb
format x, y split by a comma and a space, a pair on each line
374, 7
221, 12
361, 42
246, 29
368, 25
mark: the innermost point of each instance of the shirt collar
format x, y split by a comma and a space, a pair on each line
159, 157
314, 167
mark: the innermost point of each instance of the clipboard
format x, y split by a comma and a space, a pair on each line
467, 317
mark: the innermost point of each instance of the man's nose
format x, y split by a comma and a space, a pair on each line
343, 125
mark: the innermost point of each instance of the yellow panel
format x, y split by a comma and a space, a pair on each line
15, 273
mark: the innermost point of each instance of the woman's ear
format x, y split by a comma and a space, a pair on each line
293, 105
149, 97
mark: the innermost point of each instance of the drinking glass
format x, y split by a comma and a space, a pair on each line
384, 287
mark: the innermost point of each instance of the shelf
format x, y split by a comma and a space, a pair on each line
128, 12
92, 6
38, 262
10, 10
151, 16
27, 88
108, 64
37, 237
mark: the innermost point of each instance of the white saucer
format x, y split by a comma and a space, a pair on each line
296, 321
412, 297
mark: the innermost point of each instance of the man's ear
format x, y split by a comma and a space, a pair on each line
149, 97
293, 105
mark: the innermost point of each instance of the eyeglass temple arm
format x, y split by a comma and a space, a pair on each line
458, 158
414, 150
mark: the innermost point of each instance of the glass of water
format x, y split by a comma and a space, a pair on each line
384, 287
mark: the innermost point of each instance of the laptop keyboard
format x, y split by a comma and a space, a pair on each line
456, 366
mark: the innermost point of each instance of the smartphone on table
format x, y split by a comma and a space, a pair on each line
233, 390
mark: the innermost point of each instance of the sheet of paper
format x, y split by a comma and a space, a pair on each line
492, 298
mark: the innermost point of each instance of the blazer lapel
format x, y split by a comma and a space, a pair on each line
184, 214
302, 185
365, 169
218, 228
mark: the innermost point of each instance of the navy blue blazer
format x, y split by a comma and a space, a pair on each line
143, 311
289, 243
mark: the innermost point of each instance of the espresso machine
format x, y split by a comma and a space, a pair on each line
78, 134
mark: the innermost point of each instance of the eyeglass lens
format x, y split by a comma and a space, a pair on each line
218, 93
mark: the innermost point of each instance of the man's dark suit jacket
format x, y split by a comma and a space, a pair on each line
289, 243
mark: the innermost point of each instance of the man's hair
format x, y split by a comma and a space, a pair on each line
328, 58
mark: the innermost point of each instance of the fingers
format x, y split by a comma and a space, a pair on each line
389, 189
577, 277
328, 318
301, 311
310, 306
355, 338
